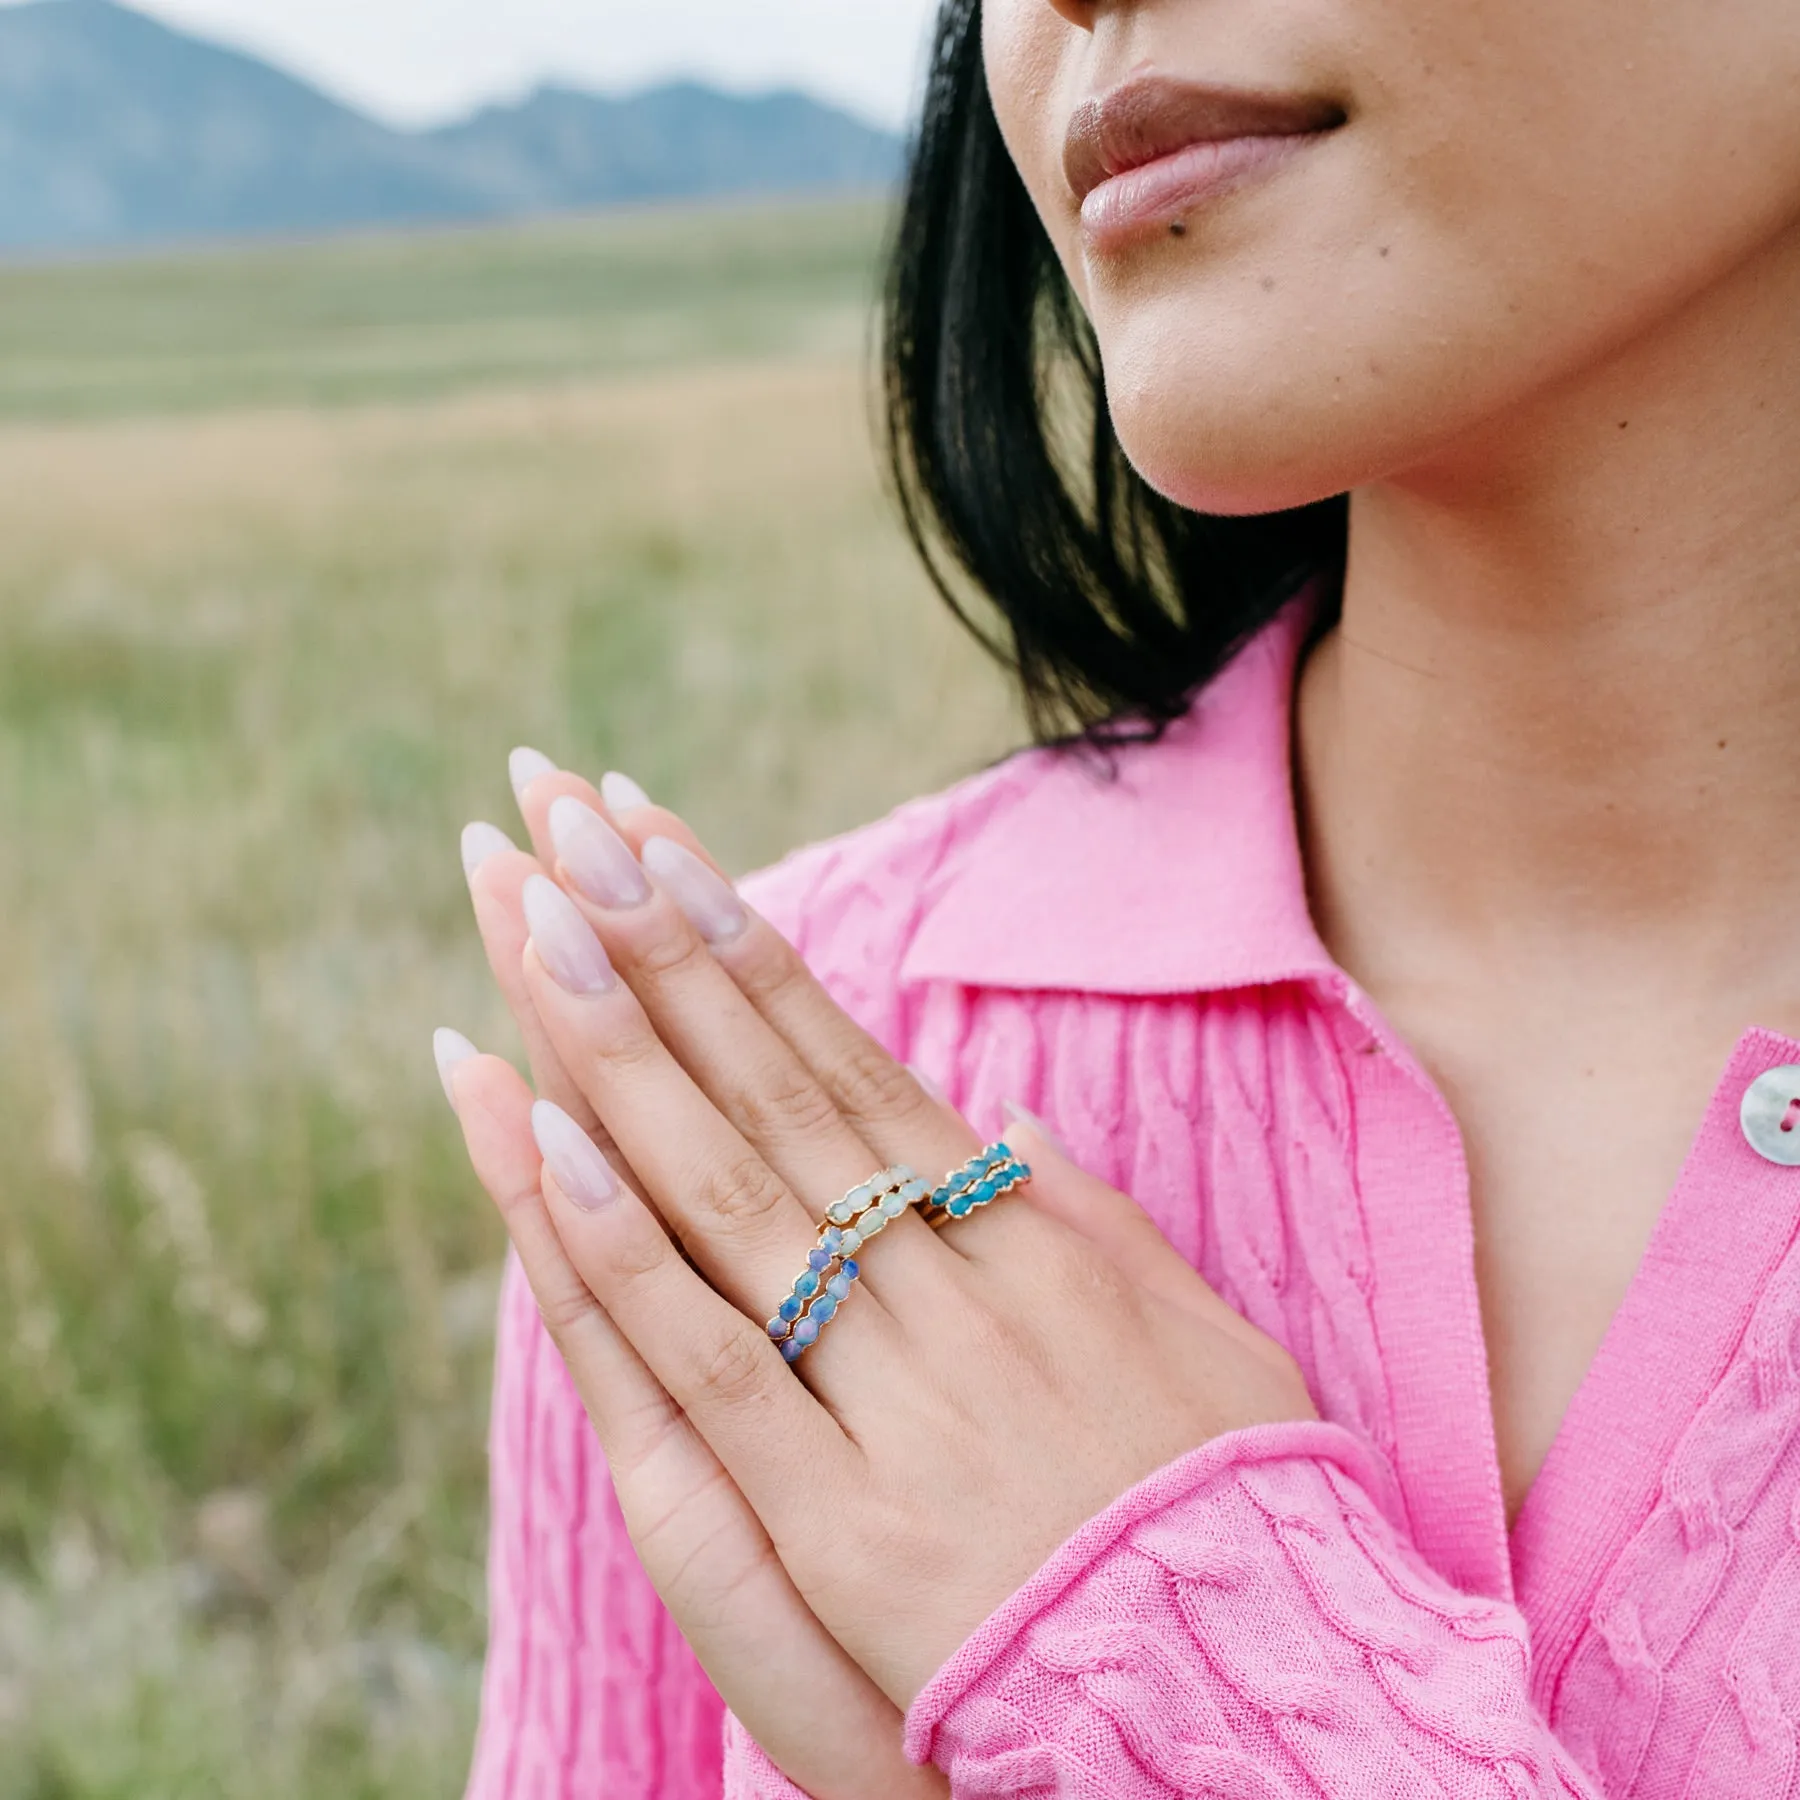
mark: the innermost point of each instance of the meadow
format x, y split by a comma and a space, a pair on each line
295, 545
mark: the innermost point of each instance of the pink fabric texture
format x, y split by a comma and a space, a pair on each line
1331, 1610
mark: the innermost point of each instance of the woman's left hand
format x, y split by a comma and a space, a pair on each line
984, 1391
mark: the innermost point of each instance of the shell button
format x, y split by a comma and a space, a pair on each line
1771, 1115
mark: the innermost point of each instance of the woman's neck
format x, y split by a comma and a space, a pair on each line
1559, 725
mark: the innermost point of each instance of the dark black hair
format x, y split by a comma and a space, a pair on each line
1114, 604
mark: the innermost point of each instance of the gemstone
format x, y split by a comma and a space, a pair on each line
858, 1198
791, 1350
984, 1193
838, 1287
840, 1212
824, 1309
807, 1285
894, 1205
832, 1240
778, 1329
853, 1241
852, 1269
961, 1207
819, 1261
806, 1332
791, 1309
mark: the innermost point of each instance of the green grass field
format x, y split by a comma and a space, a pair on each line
294, 546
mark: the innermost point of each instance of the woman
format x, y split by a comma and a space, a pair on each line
1419, 959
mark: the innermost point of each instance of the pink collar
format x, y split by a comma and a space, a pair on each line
1179, 873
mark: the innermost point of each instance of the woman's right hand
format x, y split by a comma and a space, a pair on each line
813, 1711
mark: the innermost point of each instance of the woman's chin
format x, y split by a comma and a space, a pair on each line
1219, 469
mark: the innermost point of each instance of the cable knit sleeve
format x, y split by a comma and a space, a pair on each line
1245, 1623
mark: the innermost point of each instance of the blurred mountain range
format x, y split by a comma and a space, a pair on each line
116, 130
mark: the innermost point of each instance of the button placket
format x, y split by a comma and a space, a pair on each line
1771, 1116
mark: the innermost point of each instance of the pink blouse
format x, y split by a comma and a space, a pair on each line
1334, 1609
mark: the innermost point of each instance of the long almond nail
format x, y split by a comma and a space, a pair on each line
452, 1050
621, 793
712, 908
525, 765
565, 941
479, 842
598, 860
571, 1156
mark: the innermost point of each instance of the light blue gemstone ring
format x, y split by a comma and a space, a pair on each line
831, 1269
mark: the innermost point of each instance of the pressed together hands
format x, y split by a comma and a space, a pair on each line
827, 1534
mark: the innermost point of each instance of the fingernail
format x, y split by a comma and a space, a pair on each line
479, 842
525, 766
930, 1086
712, 908
569, 1154
566, 944
599, 861
452, 1050
621, 793
1018, 1113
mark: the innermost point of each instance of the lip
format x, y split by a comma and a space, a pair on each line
1151, 149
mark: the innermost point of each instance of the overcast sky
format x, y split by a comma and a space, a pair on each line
422, 60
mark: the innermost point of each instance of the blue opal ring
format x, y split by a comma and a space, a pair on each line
832, 1269
981, 1181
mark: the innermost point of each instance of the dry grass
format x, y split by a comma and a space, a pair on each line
256, 668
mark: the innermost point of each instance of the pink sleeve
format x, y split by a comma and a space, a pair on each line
1247, 1623
749, 1775
590, 1692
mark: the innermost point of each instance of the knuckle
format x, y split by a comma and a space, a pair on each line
770, 972
786, 1103
998, 1342
735, 1371
638, 1256
738, 1189
666, 957
645, 1426
633, 1050
871, 1088
562, 1309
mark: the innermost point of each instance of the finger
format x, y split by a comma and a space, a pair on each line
702, 1545
538, 784
745, 1067
719, 1367
497, 876
743, 1226
630, 1409
1117, 1227
879, 1099
880, 1102
497, 871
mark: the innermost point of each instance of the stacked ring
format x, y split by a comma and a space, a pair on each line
981, 1181
831, 1269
